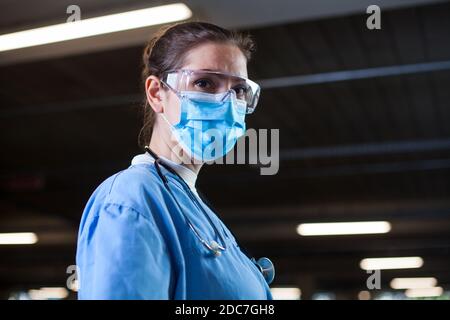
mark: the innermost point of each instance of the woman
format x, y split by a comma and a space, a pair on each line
145, 232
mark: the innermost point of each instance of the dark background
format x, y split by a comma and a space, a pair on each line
376, 148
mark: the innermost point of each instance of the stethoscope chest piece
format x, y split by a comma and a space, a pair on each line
267, 269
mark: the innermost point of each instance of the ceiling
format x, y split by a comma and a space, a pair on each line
230, 14
376, 148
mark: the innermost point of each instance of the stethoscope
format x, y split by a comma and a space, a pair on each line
264, 265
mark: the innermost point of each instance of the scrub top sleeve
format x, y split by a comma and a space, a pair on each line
130, 256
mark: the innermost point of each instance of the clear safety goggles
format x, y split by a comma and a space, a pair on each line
213, 82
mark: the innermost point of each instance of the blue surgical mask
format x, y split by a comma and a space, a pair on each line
210, 124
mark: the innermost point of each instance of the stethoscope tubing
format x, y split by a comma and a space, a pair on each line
214, 247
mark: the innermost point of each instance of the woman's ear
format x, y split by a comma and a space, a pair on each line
153, 89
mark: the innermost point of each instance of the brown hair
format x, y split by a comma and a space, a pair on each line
168, 48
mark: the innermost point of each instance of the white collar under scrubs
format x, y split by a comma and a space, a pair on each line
134, 242
189, 176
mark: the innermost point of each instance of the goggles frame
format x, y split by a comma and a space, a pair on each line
251, 103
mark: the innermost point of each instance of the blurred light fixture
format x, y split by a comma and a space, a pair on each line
364, 295
95, 26
424, 292
18, 238
286, 293
391, 263
48, 293
343, 228
323, 296
74, 285
413, 283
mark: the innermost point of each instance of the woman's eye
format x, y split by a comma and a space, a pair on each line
240, 91
203, 84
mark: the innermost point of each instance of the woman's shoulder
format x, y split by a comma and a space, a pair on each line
136, 187
136, 177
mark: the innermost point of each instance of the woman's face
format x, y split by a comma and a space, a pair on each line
210, 56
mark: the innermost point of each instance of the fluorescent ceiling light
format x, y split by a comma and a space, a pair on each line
18, 238
343, 228
424, 292
413, 283
286, 293
391, 263
95, 26
48, 293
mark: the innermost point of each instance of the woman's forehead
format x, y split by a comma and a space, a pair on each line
217, 57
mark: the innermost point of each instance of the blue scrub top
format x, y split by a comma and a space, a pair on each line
134, 243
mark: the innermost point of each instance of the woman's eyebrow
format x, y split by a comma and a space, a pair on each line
238, 82
218, 70
211, 70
